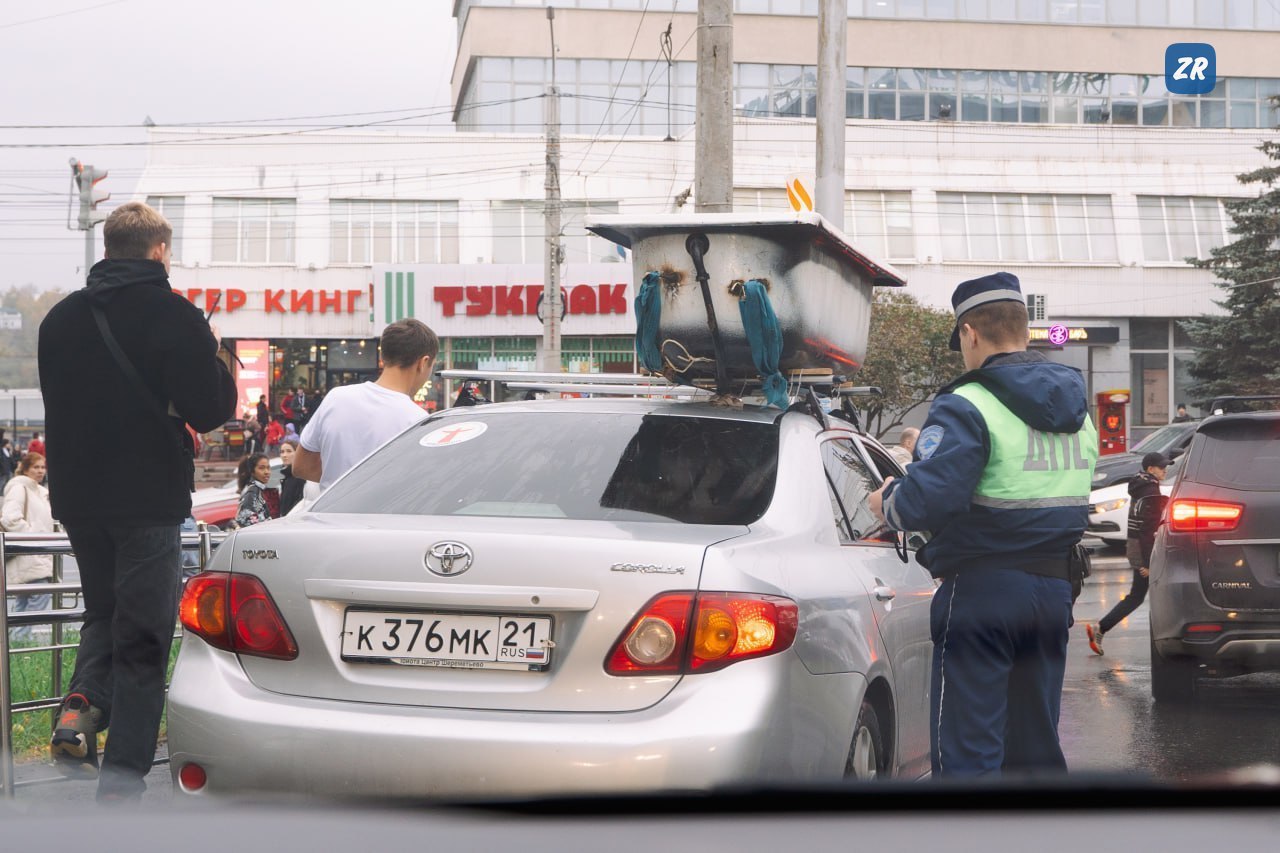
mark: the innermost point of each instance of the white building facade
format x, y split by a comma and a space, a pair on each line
1034, 137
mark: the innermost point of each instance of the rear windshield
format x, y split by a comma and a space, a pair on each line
1242, 455
588, 466
1163, 439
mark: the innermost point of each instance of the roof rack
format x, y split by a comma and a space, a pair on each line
639, 383
1216, 405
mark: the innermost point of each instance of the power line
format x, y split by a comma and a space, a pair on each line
61, 14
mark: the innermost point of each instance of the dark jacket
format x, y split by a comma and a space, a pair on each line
290, 490
1146, 505
113, 458
953, 451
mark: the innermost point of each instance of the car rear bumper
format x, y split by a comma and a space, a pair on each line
1239, 648
725, 728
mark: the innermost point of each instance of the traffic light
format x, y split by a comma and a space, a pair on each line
87, 179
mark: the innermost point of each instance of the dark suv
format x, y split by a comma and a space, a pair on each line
1215, 570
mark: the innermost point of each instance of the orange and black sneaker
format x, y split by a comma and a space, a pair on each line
1095, 637
74, 745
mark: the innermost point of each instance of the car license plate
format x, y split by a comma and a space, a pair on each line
468, 641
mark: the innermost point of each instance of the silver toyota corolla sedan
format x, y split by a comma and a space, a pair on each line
564, 597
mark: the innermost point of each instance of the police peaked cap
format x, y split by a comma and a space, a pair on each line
997, 287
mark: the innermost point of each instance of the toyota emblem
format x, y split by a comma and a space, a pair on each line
448, 559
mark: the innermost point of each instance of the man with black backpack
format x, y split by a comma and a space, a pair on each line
125, 364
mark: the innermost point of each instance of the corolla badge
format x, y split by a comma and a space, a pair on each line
448, 558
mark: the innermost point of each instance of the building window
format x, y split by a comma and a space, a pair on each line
878, 222
171, 207
1013, 227
1175, 228
598, 96
253, 230
404, 232
650, 98
1160, 355
519, 232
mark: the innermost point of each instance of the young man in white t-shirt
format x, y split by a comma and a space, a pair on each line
355, 420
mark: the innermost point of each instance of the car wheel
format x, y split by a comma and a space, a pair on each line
1173, 681
866, 759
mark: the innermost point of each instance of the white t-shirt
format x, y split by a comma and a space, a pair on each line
354, 421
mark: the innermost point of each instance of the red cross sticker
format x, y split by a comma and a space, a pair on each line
450, 435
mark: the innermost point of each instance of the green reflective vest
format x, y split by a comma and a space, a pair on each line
1028, 468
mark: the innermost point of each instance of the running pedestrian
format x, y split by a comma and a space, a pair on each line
1146, 506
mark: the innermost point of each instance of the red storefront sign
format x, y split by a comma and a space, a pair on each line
230, 299
522, 299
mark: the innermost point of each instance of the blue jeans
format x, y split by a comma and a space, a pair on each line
131, 578
999, 657
27, 602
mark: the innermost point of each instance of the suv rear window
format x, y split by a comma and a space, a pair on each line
1241, 455
589, 466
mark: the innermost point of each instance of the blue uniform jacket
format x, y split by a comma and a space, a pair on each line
952, 452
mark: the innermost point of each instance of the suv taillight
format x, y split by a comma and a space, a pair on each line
235, 613
1192, 516
683, 632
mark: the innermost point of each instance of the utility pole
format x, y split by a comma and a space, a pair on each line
86, 179
713, 150
833, 24
551, 288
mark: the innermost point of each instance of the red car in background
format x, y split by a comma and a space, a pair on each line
217, 506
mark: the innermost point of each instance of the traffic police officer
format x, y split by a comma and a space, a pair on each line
1002, 478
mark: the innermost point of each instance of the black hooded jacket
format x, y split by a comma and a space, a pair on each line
1146, 506
113, 458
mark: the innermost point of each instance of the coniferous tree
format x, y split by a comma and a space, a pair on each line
1239, 353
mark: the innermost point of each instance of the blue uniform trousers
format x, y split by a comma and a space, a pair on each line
999, 655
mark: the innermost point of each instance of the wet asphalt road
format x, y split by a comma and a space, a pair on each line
1110, 724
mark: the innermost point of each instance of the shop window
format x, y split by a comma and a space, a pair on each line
1151, 388
253, 230
598, 355
1148, 334
380, 232
1161, 377
467, 353
172, 208
511, 354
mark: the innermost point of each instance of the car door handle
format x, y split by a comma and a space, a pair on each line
884, 593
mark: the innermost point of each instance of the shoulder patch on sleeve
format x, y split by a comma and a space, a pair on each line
929, 440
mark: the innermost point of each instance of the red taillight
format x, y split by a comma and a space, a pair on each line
1192, 516
682, 632
235, 613
192, 777
1204, 628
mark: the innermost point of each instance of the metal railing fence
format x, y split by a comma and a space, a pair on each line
58, 546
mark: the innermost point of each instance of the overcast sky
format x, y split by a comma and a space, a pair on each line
79, 64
